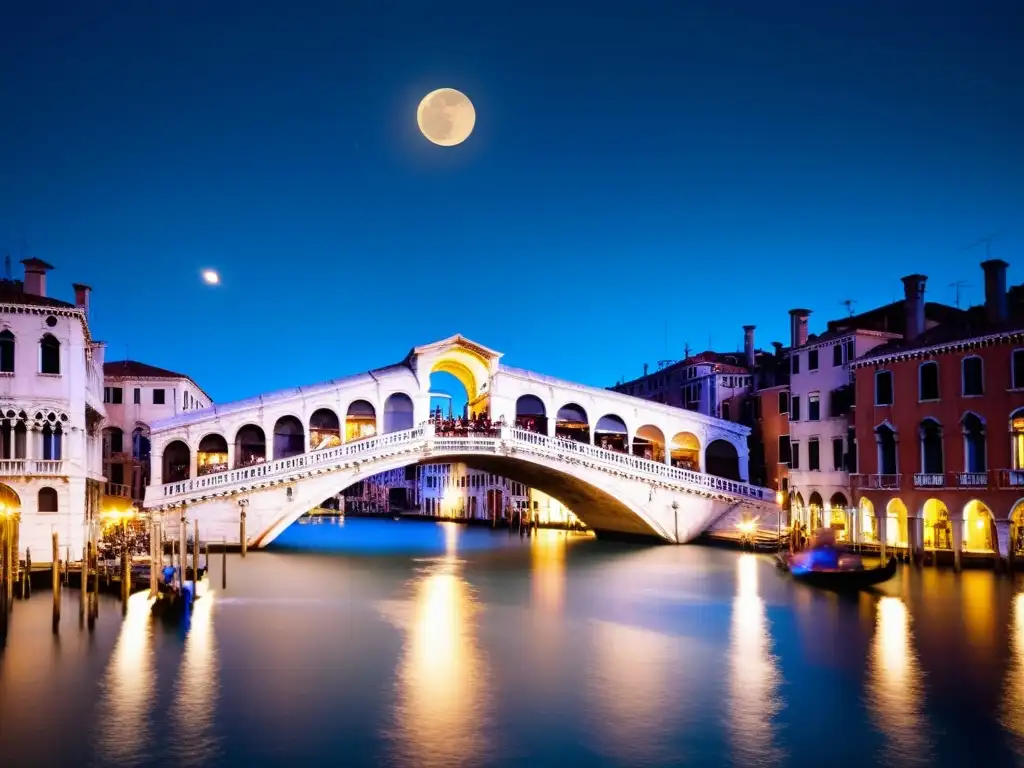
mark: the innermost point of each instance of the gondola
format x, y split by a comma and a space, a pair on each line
172, 607
843, 579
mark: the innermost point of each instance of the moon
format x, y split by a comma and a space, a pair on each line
446, 117
210, 277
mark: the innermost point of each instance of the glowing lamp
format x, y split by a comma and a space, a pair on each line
780, 497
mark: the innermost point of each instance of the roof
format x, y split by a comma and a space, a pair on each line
13, 292
35, 263
970, 324
889, 318
132, 369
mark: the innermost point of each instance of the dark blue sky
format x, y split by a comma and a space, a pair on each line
700, 163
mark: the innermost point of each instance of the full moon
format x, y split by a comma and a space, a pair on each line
446, 117
210, 277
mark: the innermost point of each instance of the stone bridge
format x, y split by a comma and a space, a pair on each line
638, 468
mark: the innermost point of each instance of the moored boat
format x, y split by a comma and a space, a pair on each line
828, 566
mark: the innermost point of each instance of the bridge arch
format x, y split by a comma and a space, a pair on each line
398, 412
601, 503
686, 451
531, 414
324, 429
177, 458
572, 423
360, 420
212, 454
289, 437
649, 443
722, 459
250, 446
610, 432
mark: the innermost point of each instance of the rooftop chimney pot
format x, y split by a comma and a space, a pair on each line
798, 327
82, 297
35, 276
913, 296
645, 369
748, 344
995, 290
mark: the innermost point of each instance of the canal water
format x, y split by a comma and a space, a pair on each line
374, 643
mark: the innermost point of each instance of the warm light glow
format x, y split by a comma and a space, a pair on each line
894, 691
198, 678
441, 716
446, 117
780, 497
1012, 715
547, 571
128, 691
754, 678
211, 277
747, 526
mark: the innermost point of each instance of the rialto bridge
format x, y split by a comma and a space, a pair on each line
624, 465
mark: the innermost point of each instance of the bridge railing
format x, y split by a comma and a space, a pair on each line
653, 469
269, 470
553, 447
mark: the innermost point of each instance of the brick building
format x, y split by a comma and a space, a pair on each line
940, 427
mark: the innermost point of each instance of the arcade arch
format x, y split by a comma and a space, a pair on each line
360, 420
868, 522
572, 423
815, 505
611, 434
896, 523
289, 438
722, 459
531, 414
686, 451
324, 429
978, 522
250, 446
176, 462
649, 443
938, 531
398, 413
212, 454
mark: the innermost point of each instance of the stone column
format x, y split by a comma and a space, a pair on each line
958, 540
156, 468
880, 527
231, 455
552, 424
915, 531
1002, 543
744, 466
193, 462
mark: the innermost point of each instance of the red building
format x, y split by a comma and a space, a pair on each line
771, 434
939, 426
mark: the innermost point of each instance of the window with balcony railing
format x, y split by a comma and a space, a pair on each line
887, 461
931, 447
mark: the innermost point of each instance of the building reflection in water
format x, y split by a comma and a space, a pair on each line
754, 677
129, 689
895, 694
547, 571
1012, 715
195, 691
442, 716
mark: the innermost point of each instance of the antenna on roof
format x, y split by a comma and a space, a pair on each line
848, 303
7, 267
986, 241
666, 338
686, 350
957, 286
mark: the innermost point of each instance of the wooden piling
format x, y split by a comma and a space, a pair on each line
86, 592
55, 580
15, 545
126, 578
182, 549
3, 580
241, 533
95, 602
26, 576
154, 558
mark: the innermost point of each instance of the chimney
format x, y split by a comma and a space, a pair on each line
645, 369
748, 344
995, 290
35, 276
798, 327
913, 297
82, 297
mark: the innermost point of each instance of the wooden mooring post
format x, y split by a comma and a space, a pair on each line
195, 557
55, 581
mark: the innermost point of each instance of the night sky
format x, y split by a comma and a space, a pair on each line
636, 166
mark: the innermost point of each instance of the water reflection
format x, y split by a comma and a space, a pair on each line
547, 571
895, 690
1012, 716
442, 715
129, 687
630, 683
754, 677
195, 691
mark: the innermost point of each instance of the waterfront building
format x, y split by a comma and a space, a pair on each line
770, 442
940, 426
822, 439
51, 398
135, 395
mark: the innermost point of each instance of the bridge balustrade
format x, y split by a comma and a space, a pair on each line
515, 438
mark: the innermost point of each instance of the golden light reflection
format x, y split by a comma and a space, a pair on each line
128, 691
895, 689
754, 677
1012, 714
547, 556
196, 686
442, 714
630, 686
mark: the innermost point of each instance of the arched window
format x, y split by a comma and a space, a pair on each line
975, 459
52, 442
49, 354
931, 447
48, 500
973, 376
885, 435
928, 381
1017, 439
6, 351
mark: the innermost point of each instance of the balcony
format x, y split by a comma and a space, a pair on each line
930, 480
117, 490
31, 467
1009, 478
876, 482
